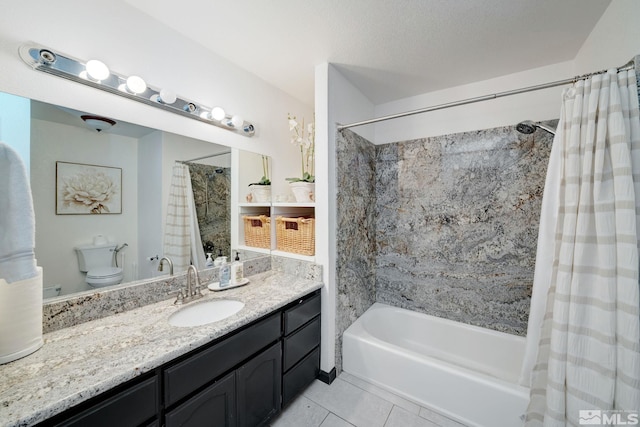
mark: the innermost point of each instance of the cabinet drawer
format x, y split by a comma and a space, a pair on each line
205, 366
301, 342
130, 407
300, 376
301, 313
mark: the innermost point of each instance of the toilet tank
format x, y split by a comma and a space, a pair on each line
94, 256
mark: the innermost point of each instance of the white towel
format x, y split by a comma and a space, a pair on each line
17, 222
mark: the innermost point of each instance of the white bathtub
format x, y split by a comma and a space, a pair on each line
465, 372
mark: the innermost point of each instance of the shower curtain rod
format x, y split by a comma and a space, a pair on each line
628, 66
204, 157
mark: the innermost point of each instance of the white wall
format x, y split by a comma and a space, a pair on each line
507, 111
150, 219
614, 41
57, 235
337, 101
15, 125
131, 42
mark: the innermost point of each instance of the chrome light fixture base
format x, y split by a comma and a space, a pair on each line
47, 60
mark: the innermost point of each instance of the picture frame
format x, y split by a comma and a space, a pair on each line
83, 189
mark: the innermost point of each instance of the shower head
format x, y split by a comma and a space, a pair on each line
528, 127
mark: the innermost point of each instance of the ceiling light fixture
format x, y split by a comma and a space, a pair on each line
97, 122
96, 74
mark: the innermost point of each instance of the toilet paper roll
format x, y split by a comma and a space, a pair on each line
20, 317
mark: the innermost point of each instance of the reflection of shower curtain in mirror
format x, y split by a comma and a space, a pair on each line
182, 241
212, 198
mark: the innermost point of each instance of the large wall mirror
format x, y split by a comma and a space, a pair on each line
59, 146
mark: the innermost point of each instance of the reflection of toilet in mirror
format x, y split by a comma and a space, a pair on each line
98, 262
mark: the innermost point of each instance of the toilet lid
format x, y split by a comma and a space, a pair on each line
103, 272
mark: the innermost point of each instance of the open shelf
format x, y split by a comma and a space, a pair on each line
274, 210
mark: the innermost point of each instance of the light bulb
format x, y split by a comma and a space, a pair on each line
167, 96
136, 84
97, 70
237, 121
217, 113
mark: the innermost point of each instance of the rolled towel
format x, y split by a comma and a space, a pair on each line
17, 221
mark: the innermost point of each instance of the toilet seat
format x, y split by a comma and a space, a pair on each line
104, 276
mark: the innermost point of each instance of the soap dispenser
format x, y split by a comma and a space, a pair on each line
220, 259
237, 269
209, 262
225, 273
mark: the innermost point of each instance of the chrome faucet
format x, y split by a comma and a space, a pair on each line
193, 289
164, 258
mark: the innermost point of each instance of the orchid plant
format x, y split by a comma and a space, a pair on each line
265, 173
305, 139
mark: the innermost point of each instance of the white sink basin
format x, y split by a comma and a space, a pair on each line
201, 313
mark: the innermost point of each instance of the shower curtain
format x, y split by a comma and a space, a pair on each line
584, 320
182, 241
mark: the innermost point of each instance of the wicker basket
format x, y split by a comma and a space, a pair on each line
296, 235
257, 231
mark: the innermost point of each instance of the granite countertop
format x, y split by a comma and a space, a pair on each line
81, 361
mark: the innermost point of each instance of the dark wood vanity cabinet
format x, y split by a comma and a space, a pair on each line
240, 380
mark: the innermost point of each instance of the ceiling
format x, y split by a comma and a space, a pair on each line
388, 49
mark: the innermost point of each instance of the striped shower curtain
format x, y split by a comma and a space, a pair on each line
587, 369
182, 242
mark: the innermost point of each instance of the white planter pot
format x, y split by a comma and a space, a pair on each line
261, 193
303, 191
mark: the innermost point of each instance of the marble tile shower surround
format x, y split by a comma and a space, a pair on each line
457, 220
212, 197
62, 312
355, 222
449, 226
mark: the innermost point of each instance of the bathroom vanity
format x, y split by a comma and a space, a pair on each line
134, 368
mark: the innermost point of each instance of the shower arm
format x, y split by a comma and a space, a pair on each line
547, 128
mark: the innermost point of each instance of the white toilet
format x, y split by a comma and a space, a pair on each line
97, 262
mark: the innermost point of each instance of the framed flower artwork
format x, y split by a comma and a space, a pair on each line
88, 189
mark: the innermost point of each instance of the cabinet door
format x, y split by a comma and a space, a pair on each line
213, 407
258, 385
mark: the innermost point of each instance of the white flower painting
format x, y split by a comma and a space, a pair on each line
88, 189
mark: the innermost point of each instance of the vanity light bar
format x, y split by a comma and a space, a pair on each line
96, 74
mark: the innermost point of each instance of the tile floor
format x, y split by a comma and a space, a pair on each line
350, 401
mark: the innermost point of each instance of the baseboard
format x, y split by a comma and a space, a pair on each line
327, 377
